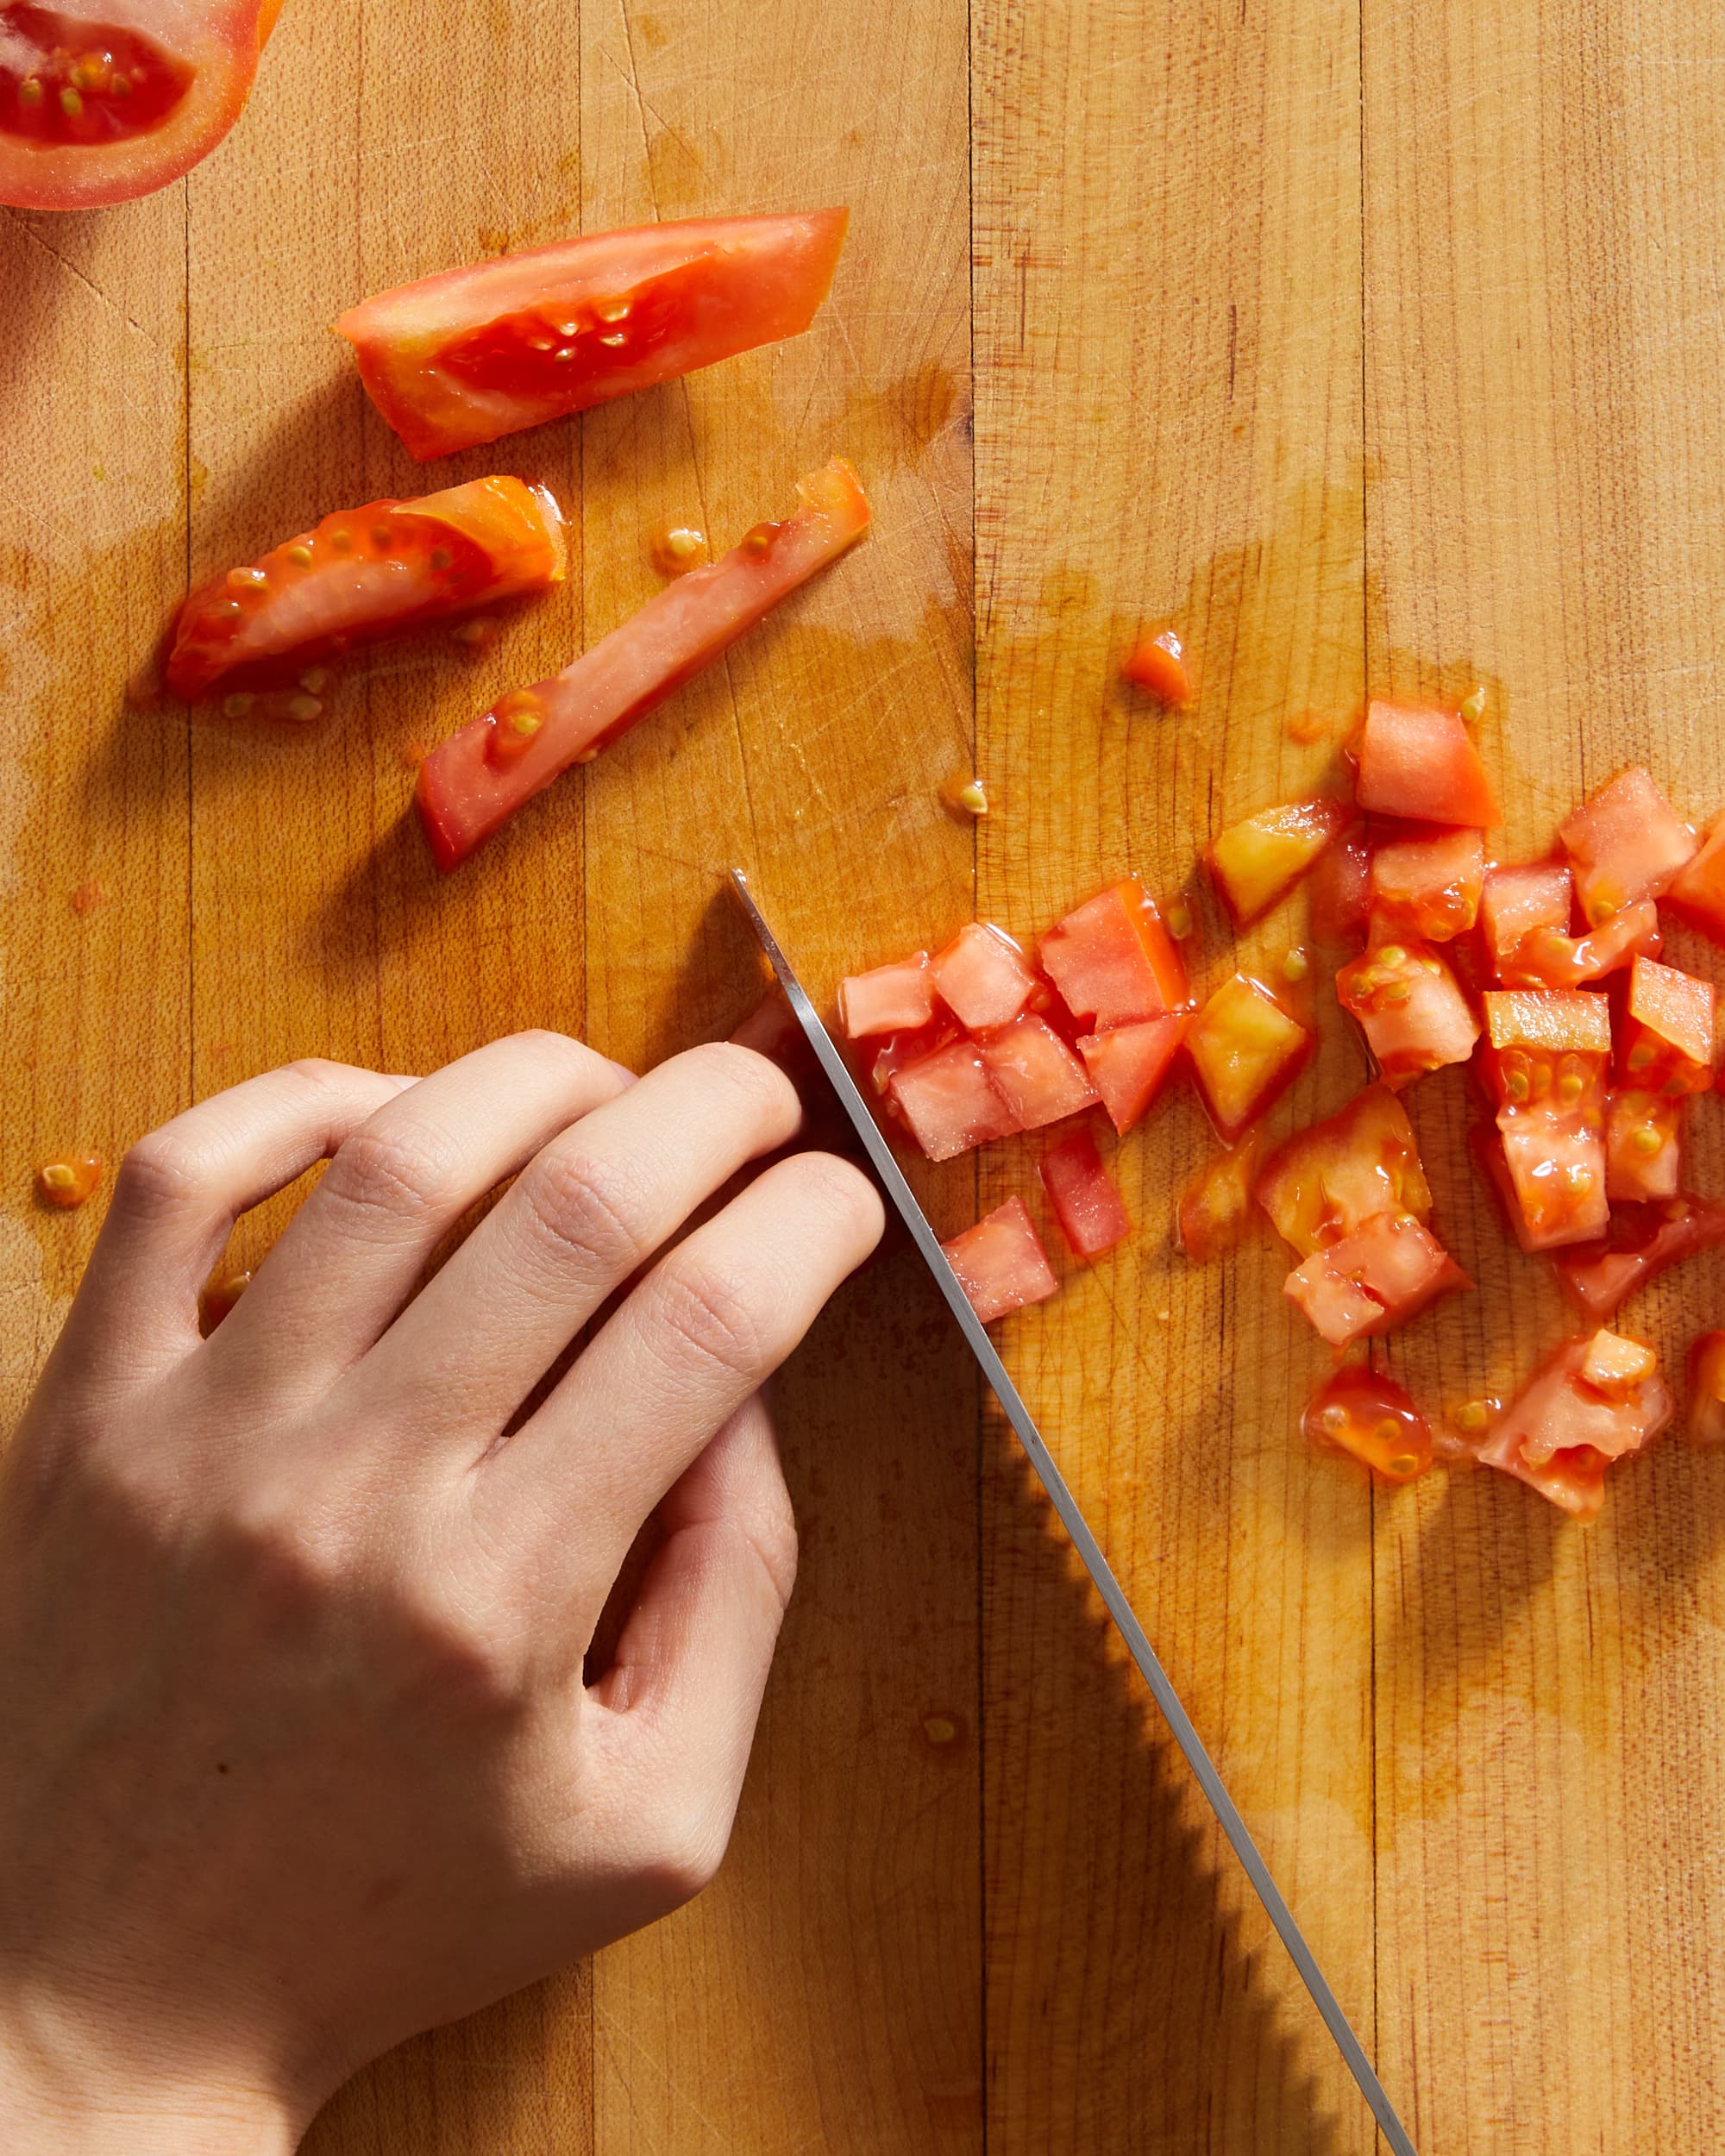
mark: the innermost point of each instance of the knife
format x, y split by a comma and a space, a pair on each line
1072, 1519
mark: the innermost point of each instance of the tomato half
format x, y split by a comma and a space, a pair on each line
1699, 892
981, 977
1707, 1402
1423, 764
1410, 1007
1086, 1203
1001, 1262
1382, 1275
362, 575
1114, 960
1426, 885
102, 103
1326, 1182
1260, 859
1245, 1050
1626, 843
1214, 1211
891, 999
1035, 1073
472, 783
1360, 1411
1642, 1243
466, 355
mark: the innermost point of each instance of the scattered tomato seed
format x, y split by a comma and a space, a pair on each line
30, 92
477, 631
238, 704
677, 549
1295, 966
304, 709
300, 555
70, 103
1473, 705
1179, 923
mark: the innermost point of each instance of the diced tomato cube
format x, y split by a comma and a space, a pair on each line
1259, 860
1643, 1151
1086, 1203
1245, 1052
1324, 1183
1112, 960
1377, 1278
1699, 892
1517, 906
1643, 1242
1411, 1009
981, 977
1666, 1041
1426, 884
1001, 1262
1545, 1063
891, 999
1214, 1210
1360, 1411
1616, 1366
1341, 886
1129, 1064
1707, 1377
1626, 843
1159, 665
948, 1102
910, 1047
1035, 1073
1423, 764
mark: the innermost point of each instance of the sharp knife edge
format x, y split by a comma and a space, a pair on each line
1072, 1519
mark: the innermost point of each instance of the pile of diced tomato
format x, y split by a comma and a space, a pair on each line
1546, 979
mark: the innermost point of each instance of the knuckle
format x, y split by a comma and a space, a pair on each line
710, 1318
402, 1169
581, 1203
771, 1530
688, 1846
161, 1171
277, 1559
758, 1086
841, 1189
453, 1655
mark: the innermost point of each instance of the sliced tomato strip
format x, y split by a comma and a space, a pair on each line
468, 791
471, 354
1113, 959
1626, 843
1382, 1275
1245, 1050
1325, 1182
1360, 1411
1259, 860
1129, 1064
1001, 1262
362, 575
1086, 1203
1666, 1043
1642, 1242
1035, 1073
981, 977
891, 999
1426, 884
1411, 1009
1214, 1211
1423, 764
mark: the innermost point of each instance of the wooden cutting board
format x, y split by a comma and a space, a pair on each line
1373, 344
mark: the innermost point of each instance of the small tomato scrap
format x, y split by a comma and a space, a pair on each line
68, 1182
1159, 665
1362, 1412
1001, 1262
1086, 1203
1214, 1211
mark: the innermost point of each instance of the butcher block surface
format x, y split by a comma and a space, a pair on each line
1375, 345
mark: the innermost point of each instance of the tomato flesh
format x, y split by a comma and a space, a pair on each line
898, 1050
1410, 1007
1129, 1064
948, 1102
1259, 860
1360, 1411
1699, 892
1086, 1203
1427, 886
1114, 960
1423, 765
1214, 1211
95, 111
981, 977
1561, 1432
1666, 1043
1035, 1073
462, 357
1001, 1262
1626, 843
1382, 1275
1548, 1054
1159, 665
1325, 1182
1643, 1147
1245, 1050
891, 999
363, 575
1706, 1376
468, 791
1642, 1242
70, 1181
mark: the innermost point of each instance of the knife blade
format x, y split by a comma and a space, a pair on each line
1072, 1519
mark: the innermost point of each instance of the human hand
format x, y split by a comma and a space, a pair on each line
299, 1757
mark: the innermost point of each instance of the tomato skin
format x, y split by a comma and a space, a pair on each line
1129, 1064
363, 575
1245, 1050
1214, 1211
1699, 892
1325, 1182
464, 356
1035, 1073
1001, 1262
1426, 885
1423, 764
1410, 1007
896, 997
1642, 1243
1360, 1411
1626, 843
981, 977
1113, 959
1258, 861
1086, 1203
1707, 1375
191, 70
466, 794
1379, 1277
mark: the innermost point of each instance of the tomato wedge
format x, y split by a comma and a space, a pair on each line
1423, 764
1245, 1052
1642, 1243
1260, 859
1214, 1211
892, 998
1562, 1430
1382, 1275
1426, 885
102, 104
1410, 1007
362, 575
1707, 1375
1325, 1182
1001, 1262
1114, 960
466, 355
1699, 892
1626, 843
1086, 1203
472, 783
1360, 1411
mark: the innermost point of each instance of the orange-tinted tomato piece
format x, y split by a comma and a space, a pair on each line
222, 1291
1369, 1417
1699, 892
1326, 1182
1159, 665
1260, 859
67, 1182
1245, 1050
1667, 1040
1214, 1211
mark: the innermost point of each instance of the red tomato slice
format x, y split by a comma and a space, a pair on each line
1214, 1211
1086, 1203
1643, 1241
1411, 1009
1560, 1432
1129, 1064
1245, 1052
1423, 764
1257, 861
1426, 884
1035, 1073
1698, 893
1001, 1262
1341, 886
891, 999
1626, 843
1369, 1416
472, 353
1666, 1043
981, 977
1643, 1147
362, 575
1707, 1375
1384, 1274
99, 103
1325, 1182
474, 782
1112, 960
